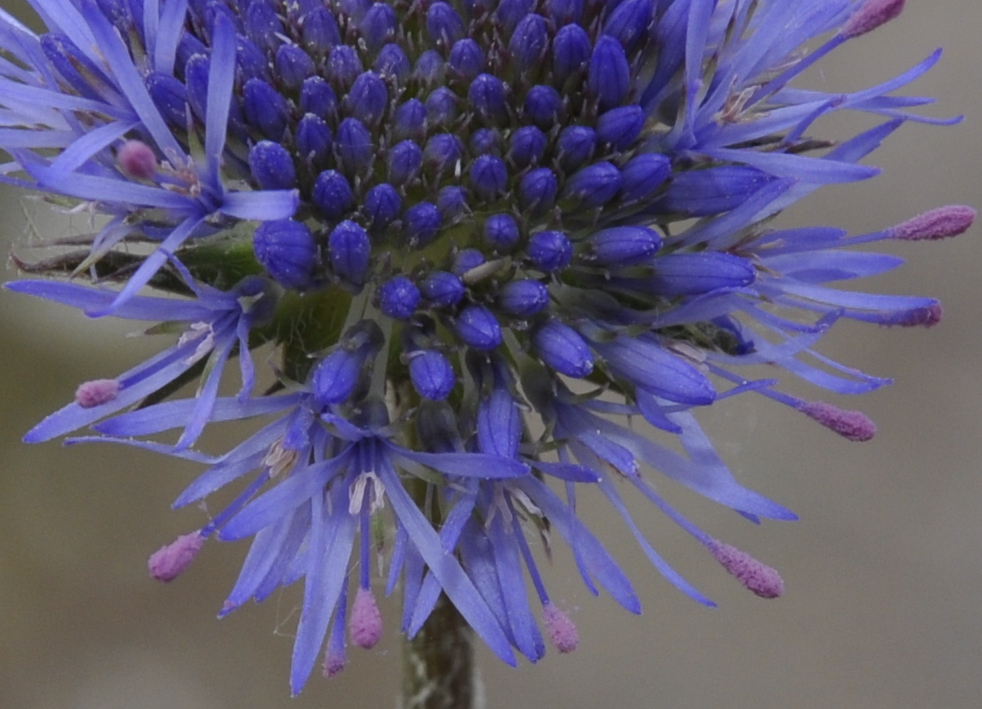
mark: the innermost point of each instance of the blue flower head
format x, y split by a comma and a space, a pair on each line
457, 223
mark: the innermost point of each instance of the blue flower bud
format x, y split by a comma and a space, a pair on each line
378, 25
537, 190
298, 9
431, 374
262, 26
355, 9
489, 176
477, 327
620, 127
571, 51
382, 206
332, 194
543, 106
575, 146
398, 298
510, 12
343, 67
317, 97
654, 369
116, 11
196, 85
499, 424
320, 30
484, 141
609, 75
466, 259
698, 193
563, 349
354, 145
368, 98
467, 58
287, 250
629, 22
350, 250
642, 175
410, 120
444, 24
420, 223
189, 45
170, 97
293, 66
549, 250
487, 97
452, 202
526, 146
265, 108
501, 232
430, 68
624, 245
313, 141
523, 299
393, 62
442, 289
404, 161
594, 185
441, 107
272, 166
442, 152
529, 42
336, 377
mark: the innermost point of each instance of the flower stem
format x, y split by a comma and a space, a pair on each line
438, 670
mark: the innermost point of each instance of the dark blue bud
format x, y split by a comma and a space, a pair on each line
116, 11
393, 62
287, 250
697, 273
501, 232
441, 107
477, 327
563, 349
420, 223
549, 250
189, 45
526, 146
410, 120
343, 67
431, 374
250, 60
265, 108
624, 245
564, 12
571, 51
355, 9
313, 141
320, 31
523, 299
510, 12
444, 24
537, 190
317, 97
656, 370
293, 66
75, 68
378, 25
298, 9
170, 97
350, 251
543, 106
575, 145
354, 145
467, 58
452, 202
262, 26
529, 42
499, 424
430, 68
382, 206
404, 161
609, 75
489, 176
467, 259
442, 289
485, 140
196, 85
442, 152
368, 98
629, 22
620, 127
594, 185
272, 166
335, 378
642, 175
699, 193
398, 298
332, 194
487, 97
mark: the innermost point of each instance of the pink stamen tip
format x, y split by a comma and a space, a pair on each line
853, 425
96, 392
170, 561
137, 160
560, 629
938, 223
759, 578
920, 317
871, 15
334, 665
365, 623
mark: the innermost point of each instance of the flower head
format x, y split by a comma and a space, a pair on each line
453, 219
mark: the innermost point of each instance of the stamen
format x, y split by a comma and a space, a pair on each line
170, 561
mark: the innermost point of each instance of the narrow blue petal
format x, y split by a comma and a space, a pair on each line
267, 205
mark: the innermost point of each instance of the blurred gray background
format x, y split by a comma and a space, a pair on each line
883, 572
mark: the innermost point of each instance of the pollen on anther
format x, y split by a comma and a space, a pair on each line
756, 577
560, 629
171, 560
365, 623
136, 159
96, 392
852, 425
